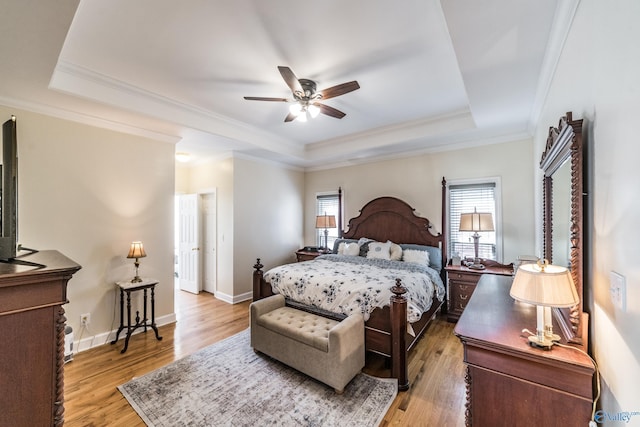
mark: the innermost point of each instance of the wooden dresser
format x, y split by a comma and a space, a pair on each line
32, 326
462, 282
510, 383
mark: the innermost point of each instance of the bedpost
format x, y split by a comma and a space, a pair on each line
444, 223
340, 212
443, 275
257, 280
399, 366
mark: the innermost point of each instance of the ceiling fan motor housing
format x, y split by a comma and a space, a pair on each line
308, 88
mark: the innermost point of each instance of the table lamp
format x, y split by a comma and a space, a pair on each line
476, 222
326, 221
545, 286
136, 251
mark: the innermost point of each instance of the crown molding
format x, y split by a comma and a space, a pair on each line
560, 28
85, 119
80, 81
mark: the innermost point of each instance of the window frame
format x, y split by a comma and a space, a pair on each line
496, 181
319, 232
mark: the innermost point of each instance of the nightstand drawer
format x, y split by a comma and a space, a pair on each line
460, 295
457, 276
305, 255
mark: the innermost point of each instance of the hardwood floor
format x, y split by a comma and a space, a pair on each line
436, 371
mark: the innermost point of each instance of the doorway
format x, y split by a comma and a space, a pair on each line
196, 237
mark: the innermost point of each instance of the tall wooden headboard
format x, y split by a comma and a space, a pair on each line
389, 218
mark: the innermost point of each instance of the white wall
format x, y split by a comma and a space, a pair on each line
417, 180
89, 193
598, 79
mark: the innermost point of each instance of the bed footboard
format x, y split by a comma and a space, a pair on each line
394, 328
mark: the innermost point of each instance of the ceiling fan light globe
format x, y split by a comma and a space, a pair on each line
313, 111
295, 109
302, 117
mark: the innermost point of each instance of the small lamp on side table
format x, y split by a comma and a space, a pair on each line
136, 251
326, 221
544, 286
476, 222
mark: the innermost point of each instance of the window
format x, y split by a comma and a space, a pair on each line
464, 197
327, 204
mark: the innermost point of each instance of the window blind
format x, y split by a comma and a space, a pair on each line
327, 204
464, 198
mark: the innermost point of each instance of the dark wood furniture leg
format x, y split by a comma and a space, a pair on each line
121, 327
129, 330
153, 313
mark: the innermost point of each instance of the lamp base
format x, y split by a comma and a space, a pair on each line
544, 343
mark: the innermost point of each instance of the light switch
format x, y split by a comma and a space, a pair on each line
618, 289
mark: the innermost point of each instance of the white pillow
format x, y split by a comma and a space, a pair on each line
413, 255
351, 249
379, 250
396, 252
341, 248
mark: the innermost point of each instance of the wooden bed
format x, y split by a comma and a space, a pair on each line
382, 219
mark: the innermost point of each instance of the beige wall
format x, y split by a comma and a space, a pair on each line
598, 80
269, 211
259, 215
89, 192
417, 180
217, 174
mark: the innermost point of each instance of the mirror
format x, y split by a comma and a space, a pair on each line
562, 228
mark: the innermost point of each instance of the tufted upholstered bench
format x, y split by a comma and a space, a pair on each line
328, 350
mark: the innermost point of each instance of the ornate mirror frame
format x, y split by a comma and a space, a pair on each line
564, 143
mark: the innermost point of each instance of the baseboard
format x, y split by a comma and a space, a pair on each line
233, 299
92, 341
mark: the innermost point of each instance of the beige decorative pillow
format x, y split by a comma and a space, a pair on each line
395, 251
418, 257
379, 250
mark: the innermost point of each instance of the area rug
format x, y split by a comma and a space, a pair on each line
227, 384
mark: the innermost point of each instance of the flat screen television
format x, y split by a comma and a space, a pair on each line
9, 191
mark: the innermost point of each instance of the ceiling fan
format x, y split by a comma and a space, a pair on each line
305, 97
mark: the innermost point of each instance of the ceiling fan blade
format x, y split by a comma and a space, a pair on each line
329, 111
260, 98
290, 79
340, 89
290, 117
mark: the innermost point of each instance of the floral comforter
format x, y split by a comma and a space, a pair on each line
346, 284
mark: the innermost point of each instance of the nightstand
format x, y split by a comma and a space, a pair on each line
463, 280
307, 255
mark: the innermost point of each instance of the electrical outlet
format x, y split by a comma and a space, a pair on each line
85, 319
618, 289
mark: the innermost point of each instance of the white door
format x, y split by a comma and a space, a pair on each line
209, 234
189, 243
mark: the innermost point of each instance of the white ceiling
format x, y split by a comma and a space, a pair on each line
434, 75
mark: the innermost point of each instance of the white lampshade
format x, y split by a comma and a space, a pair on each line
545, 285
476, 221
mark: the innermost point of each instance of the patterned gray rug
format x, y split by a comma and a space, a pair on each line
227, 384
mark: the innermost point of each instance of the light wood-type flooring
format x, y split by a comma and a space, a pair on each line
436, 371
